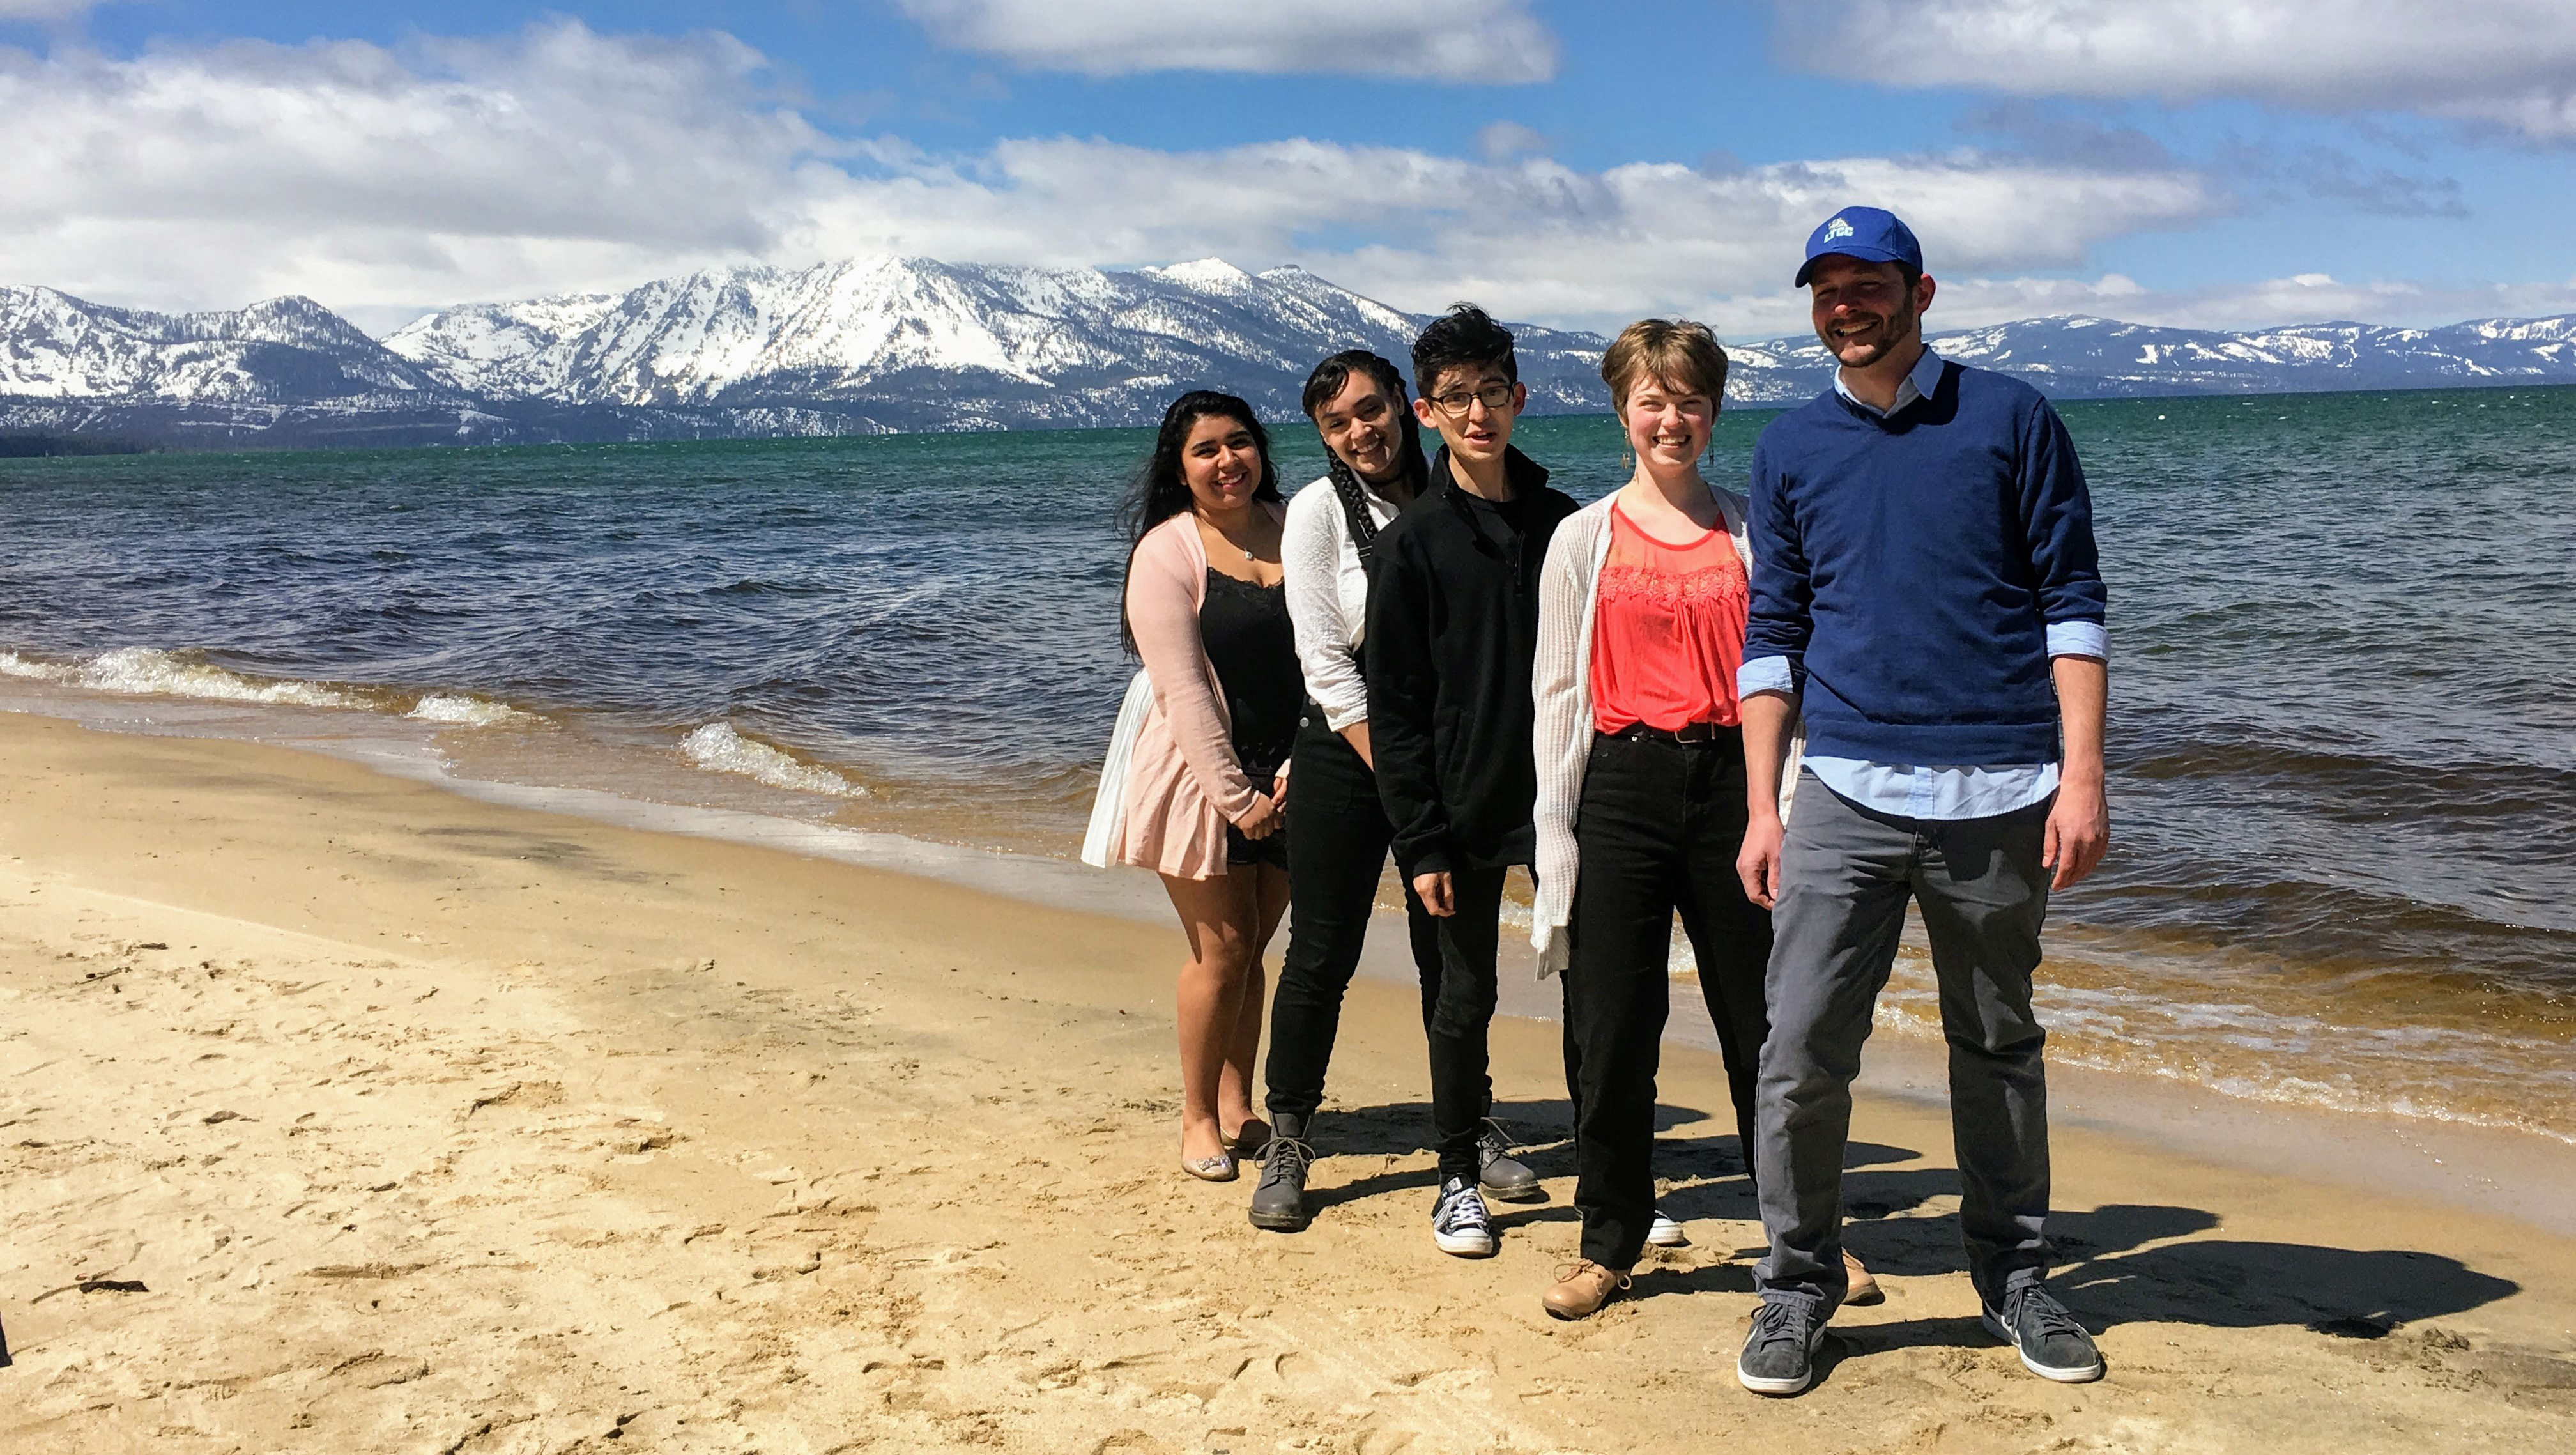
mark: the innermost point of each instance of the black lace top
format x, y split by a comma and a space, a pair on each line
1254, 649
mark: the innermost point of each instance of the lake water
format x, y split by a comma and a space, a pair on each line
2343, 750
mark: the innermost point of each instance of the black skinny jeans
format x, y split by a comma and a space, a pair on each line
1658, 830
1337, 841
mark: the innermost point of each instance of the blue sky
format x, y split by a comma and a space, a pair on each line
2185, 161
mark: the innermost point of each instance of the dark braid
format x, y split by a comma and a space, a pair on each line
1346, 484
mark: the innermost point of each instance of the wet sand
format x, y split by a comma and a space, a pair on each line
342, 1113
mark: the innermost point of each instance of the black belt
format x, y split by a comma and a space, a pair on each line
1693, 735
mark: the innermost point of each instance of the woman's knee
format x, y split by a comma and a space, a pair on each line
1227, 952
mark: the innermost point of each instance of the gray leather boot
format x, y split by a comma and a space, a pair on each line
1279, 1198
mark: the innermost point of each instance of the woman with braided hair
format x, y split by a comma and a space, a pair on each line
1337, 830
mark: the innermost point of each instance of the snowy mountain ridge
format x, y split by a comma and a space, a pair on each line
55, 346
1009, 344
876, 344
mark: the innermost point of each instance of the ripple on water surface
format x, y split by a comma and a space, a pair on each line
2341, 766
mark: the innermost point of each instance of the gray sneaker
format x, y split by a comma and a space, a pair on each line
1279, 1198
1780, 1354
2051, 1343
1500, 1175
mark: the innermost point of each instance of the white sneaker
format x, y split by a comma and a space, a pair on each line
1459, 1223
1663, 1232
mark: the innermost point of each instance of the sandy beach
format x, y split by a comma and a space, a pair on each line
341, 1113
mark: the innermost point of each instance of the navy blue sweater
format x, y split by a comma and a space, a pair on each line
1909, 567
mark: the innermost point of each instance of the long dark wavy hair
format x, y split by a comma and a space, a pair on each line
1322, 387
1161, 491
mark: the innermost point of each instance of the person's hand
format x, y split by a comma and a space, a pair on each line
1758, 862
2079, 831
1434, 892
1262, 819
1279, 788
1357, 735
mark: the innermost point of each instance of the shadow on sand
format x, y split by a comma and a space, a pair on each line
2119, 1264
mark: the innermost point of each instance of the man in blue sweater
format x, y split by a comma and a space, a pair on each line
1925, 588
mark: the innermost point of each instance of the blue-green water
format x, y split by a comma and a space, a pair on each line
2343, 628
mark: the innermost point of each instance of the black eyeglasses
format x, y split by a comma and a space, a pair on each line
1454, 404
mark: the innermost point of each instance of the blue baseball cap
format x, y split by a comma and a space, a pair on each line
1871, 234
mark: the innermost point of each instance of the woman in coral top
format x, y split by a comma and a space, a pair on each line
1207, 771
1641, 787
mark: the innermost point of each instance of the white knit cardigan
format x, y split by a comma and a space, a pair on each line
1561, 687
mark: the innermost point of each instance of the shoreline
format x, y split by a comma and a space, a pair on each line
2526, 1174
345, 1111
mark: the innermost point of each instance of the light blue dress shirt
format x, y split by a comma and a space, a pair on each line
1941, 791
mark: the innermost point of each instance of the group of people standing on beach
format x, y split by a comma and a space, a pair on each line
1879, 676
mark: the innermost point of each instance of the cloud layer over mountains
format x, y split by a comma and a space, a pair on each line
388, 180
2508, 63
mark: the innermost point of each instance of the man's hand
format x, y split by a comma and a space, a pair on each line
1433, 890
1758, 862
1767, 716
2079, 827
2079, 831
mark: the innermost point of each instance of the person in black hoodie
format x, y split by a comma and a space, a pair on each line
1452, 631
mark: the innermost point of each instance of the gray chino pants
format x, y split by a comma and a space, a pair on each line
1846, 873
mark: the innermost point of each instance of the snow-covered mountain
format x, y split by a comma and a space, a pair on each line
55, 346
2099, 358
909, 343
936, 345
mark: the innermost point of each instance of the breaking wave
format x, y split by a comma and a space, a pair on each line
719, 749
459, 709
151, 672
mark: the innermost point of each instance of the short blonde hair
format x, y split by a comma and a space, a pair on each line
1674, 351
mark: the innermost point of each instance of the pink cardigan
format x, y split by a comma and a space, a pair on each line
1183, 783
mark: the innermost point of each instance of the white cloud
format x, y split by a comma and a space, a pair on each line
1450, 40
387, 181
562, 159
1531, 237
2510, 63
1500, 141
43, 9
554, 158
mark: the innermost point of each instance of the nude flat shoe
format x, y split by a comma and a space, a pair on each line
1217, 1168
1251, 1139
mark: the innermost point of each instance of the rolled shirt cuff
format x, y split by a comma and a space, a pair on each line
1772, 674
2069, 639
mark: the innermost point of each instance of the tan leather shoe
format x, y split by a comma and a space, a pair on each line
1581, 1288
1859, 1287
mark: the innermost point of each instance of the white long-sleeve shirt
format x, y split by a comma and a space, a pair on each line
1328, 597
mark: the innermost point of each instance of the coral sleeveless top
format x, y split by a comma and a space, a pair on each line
1667, 630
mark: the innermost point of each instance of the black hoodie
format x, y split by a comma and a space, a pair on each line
1452, 629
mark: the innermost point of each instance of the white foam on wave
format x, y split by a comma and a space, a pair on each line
151, 672
719, 749
13, 665
460, 709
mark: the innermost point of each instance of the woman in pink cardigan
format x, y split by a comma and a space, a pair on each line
1208, 771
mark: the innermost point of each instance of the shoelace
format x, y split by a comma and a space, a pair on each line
1284, 1150
2050, 1315
1497, 1138
1566, 1272
1464, 1208
1781, 1322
